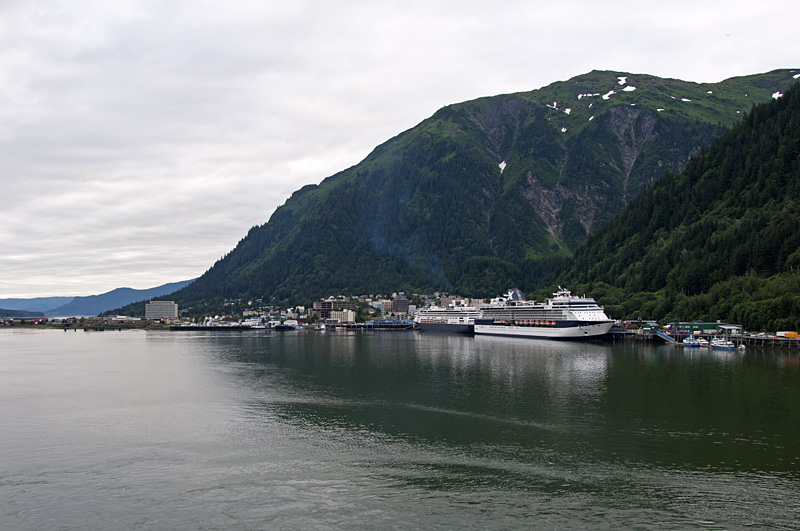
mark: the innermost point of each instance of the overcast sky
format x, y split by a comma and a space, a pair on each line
140, 140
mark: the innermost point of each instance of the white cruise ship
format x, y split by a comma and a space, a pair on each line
562, 317
452, 319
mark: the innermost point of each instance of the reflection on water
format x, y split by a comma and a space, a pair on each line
298, 430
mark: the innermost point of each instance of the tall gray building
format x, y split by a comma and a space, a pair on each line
154, 310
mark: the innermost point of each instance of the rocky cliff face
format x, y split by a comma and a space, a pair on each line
633, 130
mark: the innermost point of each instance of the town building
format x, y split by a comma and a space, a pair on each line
705, 328
342, 316
400, 305
322, 309
160, 310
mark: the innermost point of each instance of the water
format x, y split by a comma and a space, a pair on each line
167, 430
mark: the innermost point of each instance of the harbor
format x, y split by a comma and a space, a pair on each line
564, 316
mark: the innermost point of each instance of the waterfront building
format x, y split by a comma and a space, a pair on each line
400, 305
704, 328
343, 316
160, 310
322, 309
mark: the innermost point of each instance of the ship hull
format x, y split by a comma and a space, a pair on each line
446, 328
559, 330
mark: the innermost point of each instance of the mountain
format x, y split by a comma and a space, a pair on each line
97, 304
89, 305
38, 304
19, 313
483, 194
720, 240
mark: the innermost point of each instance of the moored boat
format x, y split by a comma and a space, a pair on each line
562, 317
452, 319
691, 342
287, 326
695, 342
719, 343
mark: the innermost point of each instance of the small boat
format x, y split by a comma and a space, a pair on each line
691, 342
722, 344
287, 326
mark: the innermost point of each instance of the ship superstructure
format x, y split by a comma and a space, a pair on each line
452, 319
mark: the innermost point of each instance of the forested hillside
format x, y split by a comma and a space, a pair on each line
483, 194
720, 240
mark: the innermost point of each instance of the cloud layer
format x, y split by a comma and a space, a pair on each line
140, 140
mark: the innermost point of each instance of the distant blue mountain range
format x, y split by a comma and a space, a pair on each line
92, 304
39, 304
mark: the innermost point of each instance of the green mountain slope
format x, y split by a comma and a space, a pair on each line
721, 240
483, 191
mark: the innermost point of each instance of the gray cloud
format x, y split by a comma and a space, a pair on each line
139, 141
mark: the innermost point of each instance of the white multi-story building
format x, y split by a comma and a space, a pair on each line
343, 316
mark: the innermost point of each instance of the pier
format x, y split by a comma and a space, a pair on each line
374, 326
677, 339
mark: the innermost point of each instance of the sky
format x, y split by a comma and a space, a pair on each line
140, 140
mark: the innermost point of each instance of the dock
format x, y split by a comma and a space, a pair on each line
676, 339
374, 326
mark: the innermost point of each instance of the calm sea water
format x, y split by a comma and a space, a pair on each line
160, 430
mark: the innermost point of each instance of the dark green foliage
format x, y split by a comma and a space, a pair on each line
538, 272
721, 240
483, 277
430, 209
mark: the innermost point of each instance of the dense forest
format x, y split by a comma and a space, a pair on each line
720, 240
